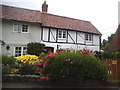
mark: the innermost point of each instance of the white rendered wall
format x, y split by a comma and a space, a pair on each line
18, 39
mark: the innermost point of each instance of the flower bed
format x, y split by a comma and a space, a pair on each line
70, 67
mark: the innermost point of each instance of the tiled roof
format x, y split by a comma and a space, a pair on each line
46, 19
115, 43
20, 14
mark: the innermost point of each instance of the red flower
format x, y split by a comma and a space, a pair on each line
50, 51
85, 50
38, 64
44, 78
20, 62
67, 60
109, 64
42, 61
51, 55
28, 59
44, 65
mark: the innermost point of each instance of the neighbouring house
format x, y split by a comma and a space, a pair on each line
115, 43
21, 26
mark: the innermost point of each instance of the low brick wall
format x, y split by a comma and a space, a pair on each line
69, 82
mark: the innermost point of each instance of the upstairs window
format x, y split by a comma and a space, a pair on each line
17, 28
88, 37
20, 28
62, 34
24, 28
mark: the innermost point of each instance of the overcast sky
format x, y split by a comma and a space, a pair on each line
103, 14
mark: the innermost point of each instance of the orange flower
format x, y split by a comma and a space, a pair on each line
44, 78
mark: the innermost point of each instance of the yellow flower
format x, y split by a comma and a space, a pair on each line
27, 59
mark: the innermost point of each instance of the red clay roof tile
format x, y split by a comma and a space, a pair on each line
46, 19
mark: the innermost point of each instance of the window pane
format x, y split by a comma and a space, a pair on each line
60, 34
90, 37
24, 50
86, 36
18, 51
17, 27
64, 34
24, 28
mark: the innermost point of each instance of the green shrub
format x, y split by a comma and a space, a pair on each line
6, 69
109, 55
35, 48
27, 69
78, 64
8, 60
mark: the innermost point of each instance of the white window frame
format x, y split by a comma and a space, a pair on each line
21, 50
62, 34
17, 27
27, 29
88, 37
21, 26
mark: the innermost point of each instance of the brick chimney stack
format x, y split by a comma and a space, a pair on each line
44, 7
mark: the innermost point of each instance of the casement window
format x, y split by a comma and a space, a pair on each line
24, 28
88, 37
19, 51
17, 28
62, 34
20, 28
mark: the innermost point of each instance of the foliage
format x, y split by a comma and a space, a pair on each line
35, 48
105, 43
14, 71
6, 69
27, 69
109, 55
8, 63
61, 65
8, 60
80, 64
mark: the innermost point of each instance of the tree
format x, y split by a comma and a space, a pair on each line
35, 48
105, 43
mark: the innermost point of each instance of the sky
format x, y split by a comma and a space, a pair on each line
103, 14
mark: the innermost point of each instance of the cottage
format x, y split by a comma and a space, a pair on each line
21, 26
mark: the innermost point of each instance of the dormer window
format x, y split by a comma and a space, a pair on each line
62, 34
88, 37
20, 28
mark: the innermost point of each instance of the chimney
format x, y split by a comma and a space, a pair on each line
44, 7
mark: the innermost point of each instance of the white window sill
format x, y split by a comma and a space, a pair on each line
21, 32
89, 41
61, 38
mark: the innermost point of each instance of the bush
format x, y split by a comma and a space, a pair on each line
27, 69
80, 65
109, 55
35, 48
8, 60
6, 69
